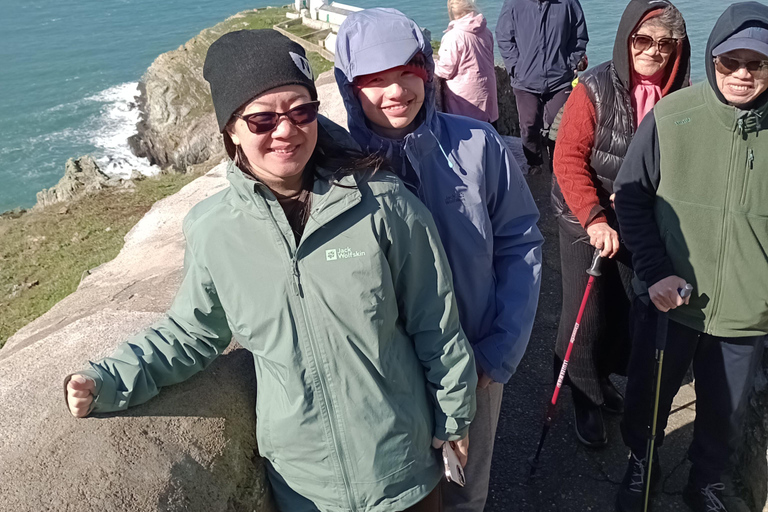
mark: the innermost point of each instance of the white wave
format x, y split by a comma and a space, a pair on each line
110, 132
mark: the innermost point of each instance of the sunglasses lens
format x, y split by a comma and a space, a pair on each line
260, 123
642, 43
667, 45
726, 65
303, 114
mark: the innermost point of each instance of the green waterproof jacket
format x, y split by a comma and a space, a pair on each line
359, 355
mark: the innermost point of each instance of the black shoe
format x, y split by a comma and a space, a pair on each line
588, 417
631, 496
704, 497
613, 400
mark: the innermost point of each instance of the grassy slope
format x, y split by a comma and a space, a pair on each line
44, 253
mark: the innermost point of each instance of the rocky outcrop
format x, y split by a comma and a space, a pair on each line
508, 123
192, 448
82, 176
751, 474
178, 125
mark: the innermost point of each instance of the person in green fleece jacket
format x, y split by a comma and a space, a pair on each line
334, 277
692, 204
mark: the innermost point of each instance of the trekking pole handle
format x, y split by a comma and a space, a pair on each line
663, 321
594, 268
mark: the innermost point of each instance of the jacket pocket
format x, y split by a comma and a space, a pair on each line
747, 174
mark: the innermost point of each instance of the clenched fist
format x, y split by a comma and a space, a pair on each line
80, 395
665, 294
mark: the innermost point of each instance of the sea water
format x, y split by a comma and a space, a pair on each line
69, 71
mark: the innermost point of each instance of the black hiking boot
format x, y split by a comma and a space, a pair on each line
704, 497
613, 400
631, 496
588, 419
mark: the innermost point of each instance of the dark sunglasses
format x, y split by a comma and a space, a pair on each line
665, 45
727, 66
262, 122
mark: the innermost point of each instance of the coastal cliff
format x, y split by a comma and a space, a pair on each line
178, 126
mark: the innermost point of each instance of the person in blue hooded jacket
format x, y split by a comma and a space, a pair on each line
462, 171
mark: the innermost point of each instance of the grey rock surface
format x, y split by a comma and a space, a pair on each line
331, 104
81, 177
191, 448
508, 123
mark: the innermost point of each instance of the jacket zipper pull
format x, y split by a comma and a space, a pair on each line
751, 159
741, 126
296, 277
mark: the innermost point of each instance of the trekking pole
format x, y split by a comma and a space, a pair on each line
593, 271
662, 323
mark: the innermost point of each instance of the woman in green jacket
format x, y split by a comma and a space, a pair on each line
333, 276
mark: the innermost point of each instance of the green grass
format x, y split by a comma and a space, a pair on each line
435, 46
264, 18
44, 253
318, 63
300, 30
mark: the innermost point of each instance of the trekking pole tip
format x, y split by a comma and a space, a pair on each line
533, 461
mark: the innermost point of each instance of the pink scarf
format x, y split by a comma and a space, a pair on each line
646, 92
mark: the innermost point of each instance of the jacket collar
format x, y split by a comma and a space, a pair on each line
330, 196
753, 120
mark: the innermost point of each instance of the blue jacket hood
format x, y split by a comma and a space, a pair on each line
374, 40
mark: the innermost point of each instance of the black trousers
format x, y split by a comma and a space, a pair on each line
724, 369
534, 111
602, 344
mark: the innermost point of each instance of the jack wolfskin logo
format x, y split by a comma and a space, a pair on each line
683, 121
342, 253
302, 64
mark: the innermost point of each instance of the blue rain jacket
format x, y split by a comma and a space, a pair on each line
541, 42
463, 172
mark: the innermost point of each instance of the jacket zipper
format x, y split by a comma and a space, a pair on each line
750, 167
323, 385
299, 292
724, 237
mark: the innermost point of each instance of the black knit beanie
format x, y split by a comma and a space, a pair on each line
242, 65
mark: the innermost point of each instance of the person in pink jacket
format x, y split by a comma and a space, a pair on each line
466, 64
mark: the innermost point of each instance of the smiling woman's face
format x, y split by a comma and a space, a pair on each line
391, 100
650, 61
277, 157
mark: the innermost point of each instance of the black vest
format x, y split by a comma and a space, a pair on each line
613, 133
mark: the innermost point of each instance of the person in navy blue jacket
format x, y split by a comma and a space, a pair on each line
542, 44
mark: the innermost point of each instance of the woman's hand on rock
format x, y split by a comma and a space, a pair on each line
603, 237
80, 395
